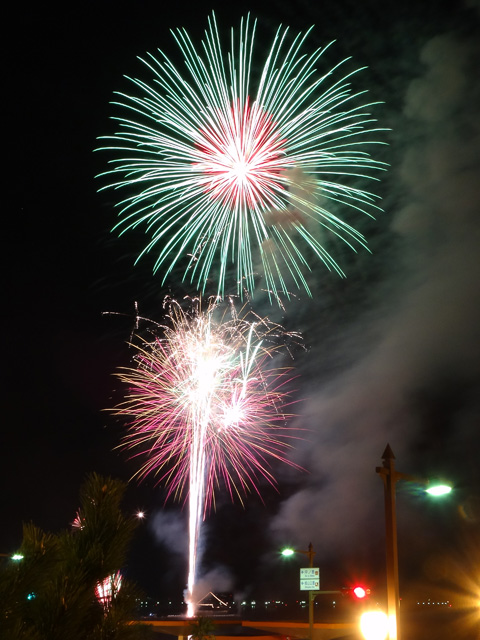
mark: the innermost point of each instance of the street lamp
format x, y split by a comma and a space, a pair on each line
311, 594
15, 556
310, 553
390, 478
438, 490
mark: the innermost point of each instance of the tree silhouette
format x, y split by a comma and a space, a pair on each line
202, 629
50, 594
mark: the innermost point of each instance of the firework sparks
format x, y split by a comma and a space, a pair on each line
208, 409
108, 589
79, 521
219, 167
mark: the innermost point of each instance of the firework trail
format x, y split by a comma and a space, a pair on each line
223, 163
206, 408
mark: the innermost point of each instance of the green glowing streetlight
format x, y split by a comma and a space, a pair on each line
438, 490
390, 477
311, 594
288, 551
15, 556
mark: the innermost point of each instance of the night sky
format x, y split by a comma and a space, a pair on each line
392, 352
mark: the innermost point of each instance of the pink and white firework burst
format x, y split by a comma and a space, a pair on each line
206, 404
234, 163
207, 410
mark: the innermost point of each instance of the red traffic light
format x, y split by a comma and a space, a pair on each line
357, 591
360, 592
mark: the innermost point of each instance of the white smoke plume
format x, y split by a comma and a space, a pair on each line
170, 529
422, 328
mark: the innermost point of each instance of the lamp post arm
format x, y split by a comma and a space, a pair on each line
306, 552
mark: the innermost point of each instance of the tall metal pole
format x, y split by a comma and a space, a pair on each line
390, 477
311, 594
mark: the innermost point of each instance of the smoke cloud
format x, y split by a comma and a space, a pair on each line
169, 528
419, 335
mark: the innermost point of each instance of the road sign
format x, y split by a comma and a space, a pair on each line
310, 579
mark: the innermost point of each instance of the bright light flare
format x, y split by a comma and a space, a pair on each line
234, 161
374, 625
439, 490
359, 592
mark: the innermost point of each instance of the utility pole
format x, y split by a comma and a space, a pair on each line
390, 477
310, 553
311, 594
